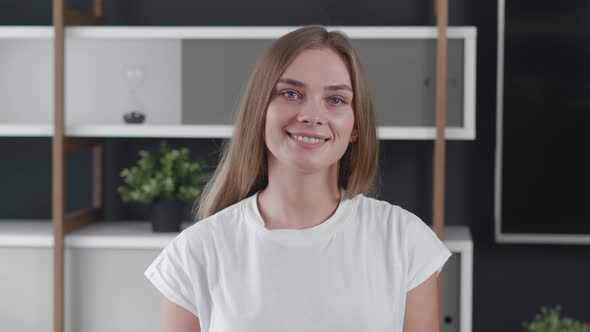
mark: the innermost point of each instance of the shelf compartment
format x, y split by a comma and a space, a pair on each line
191, 78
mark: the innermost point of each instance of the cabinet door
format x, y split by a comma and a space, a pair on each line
402, 78
107, 291
451, 306
26, 290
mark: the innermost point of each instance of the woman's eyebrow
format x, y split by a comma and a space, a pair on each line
301, 84
339, 87
291, 82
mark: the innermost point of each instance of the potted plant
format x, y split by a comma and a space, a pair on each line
549, 320
165, 179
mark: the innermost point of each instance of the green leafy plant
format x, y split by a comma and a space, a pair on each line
165, 175
549, 320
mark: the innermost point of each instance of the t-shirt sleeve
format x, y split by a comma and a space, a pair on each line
168, 273
426, 254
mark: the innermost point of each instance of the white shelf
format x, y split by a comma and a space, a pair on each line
148, 130
223, 131
204, 131
25, 130
22, 32
267, 32
227, 32
28, 233
119, 235
136, 235
424, 133
34, 233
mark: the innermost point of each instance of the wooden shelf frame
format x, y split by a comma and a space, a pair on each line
439, 153
61, 144
64, 223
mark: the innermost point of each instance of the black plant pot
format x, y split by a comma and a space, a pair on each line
166, 216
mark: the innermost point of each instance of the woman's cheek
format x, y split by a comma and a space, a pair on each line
342, 117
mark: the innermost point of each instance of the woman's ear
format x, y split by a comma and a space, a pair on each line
354, 136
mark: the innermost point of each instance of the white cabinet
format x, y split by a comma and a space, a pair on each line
26, 275
458, 281
105, 289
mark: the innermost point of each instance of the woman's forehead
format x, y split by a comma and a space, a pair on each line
318, 68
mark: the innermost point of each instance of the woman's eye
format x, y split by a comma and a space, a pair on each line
336, 101
290, 94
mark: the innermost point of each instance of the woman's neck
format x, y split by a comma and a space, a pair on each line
294, 200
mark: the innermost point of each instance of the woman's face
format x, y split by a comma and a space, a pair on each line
310, 118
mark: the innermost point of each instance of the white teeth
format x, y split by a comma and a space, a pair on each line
308, 139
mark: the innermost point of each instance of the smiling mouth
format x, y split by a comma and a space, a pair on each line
309, 140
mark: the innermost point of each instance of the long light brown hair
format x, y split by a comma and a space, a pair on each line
242, 170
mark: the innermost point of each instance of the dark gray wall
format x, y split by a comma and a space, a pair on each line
511, 282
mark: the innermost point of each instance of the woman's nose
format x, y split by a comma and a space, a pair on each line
311, 113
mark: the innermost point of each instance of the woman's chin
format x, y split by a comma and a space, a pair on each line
299, 165
302, 167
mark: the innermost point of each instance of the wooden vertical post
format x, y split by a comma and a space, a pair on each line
62, 222
97, 176
97, 8
58, 188
441, 12
441, 102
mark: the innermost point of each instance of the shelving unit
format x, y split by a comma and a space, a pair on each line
96, 95
121, 249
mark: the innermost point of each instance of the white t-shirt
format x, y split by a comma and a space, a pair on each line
349, 273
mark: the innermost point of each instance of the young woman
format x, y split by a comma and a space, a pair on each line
287, 239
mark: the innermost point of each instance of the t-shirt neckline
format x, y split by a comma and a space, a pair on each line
299, 237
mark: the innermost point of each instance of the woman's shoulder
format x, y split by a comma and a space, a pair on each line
384, 210
221, 221
389, 220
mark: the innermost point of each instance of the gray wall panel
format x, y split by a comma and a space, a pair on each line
402, 76
214, 76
